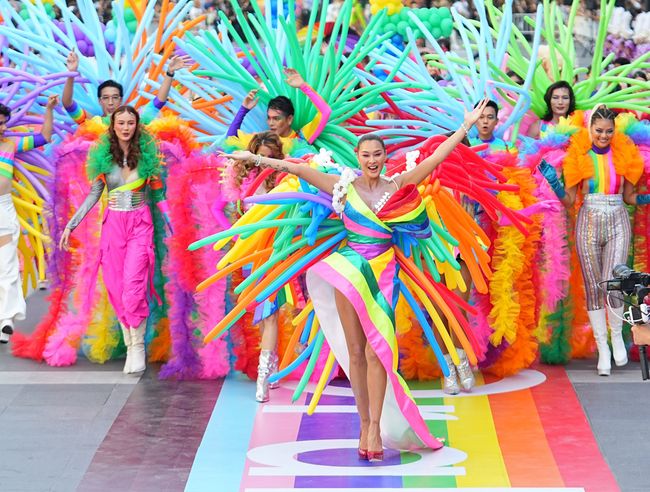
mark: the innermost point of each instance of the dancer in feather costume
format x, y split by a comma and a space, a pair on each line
600, 168
12, 302
377, 254
80, 316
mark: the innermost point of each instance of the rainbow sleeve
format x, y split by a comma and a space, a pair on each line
151, 110
77, 113
29, 142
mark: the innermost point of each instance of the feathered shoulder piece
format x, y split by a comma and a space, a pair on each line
100, 160
578, 165
638, 131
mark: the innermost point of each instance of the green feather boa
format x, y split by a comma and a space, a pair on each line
100, 160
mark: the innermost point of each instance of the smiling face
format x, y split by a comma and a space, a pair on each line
110, 100
560, 101
125, 126
372, 157
487, 122
279, 123
602, 132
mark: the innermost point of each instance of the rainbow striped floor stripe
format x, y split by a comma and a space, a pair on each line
524, 433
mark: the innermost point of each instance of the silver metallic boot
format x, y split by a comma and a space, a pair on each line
465, 373
263, 372
450, 383
274, 369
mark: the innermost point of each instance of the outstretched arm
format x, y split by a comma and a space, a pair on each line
323, 181
426, 167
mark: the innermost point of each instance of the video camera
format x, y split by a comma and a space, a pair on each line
634, 284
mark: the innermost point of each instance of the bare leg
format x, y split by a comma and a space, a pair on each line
355, 340
269, 332
376, 391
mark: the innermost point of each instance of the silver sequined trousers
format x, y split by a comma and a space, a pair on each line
603, 241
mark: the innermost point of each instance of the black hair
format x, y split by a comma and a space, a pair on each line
560, 84
109, 83
371, 137
282, 103
515, 76
621, 60
490, 104
602, 113
5, 110
640, 74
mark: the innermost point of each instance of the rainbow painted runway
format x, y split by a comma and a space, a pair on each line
526, 433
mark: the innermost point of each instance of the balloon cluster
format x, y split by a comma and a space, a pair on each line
48, 5
130, 20
438, 21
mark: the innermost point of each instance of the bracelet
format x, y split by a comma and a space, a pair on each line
258, 160
464, 127
169, 74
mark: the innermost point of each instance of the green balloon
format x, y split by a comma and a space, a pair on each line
132, 25
437, 33
402, 26
23, 13
445, 13
129, 15
446, 26
434, 21
402, 15
390, 27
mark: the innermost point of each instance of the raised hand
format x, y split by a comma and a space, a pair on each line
547, 171
72, 62
52, 101
294, 79
177, 62
251, 100
471, 117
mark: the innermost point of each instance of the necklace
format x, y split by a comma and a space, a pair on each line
379, 204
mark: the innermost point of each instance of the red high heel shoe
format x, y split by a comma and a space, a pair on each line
363, 454
376, 455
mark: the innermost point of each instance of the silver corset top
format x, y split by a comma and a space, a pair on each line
124, 200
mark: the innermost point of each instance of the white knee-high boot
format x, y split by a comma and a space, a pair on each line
598, 320
616, 329
138, 355
126, 333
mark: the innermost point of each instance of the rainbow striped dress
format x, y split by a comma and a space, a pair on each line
365, 270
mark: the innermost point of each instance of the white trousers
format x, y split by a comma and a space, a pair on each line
12, 301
